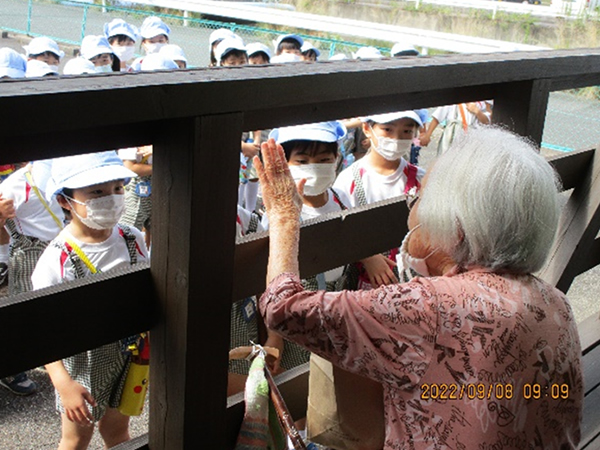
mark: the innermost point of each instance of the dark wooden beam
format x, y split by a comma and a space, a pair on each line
195, 183
572, 166
320, 249
42, 326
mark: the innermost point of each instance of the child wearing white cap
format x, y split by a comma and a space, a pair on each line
122, 37
98, 51
382, 174
367, 53
12, 64
231, 52
45, 50
155, 34
288, 43
174, 53
89, 385
215, 38
38, 69
258, 53
309, 52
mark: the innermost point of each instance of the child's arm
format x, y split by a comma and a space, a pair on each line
474, 109
275, 341
425, 138
72, 394
379, 270
250, 150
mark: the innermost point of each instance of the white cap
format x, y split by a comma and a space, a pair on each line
173, 52
367, 53
400, 49
256, 47
79, 66
119, 26
92, 46
390, 117
74, 172
220, 34
12, 63
37, 68
331, 131
308, 46
295, 37
226, 46
338, 57
43, 44
157, 61
153, 26
285, 58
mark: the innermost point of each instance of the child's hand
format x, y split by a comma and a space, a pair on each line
7, 209
75, 398
250, 150
424, 139
275, 341
379, 270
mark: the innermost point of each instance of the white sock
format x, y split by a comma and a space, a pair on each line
4, 249
251, 195
241, 194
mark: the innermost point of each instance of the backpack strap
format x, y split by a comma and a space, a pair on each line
338, 200
130, 241
411, 172
67, 252
359, 188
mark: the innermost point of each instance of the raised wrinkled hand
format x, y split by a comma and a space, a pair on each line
279, 192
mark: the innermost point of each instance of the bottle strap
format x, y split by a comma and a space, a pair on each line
463, 117
82, 256
42, 199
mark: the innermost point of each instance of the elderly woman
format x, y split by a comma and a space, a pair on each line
476, 354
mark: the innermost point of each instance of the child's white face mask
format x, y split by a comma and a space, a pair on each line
153, 47
319, 177
393, 149
124, 53
104, 69
103, 213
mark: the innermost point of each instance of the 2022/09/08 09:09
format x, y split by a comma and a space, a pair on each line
498, 391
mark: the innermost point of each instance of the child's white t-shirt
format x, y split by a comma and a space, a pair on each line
377, 187
451, 112
332, 205
54, 266
32, 218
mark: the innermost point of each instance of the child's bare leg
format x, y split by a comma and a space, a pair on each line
114, 427
74, 436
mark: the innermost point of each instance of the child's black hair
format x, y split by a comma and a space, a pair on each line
288, 44
308, 147
237, 53
66, 192
119, 39
43, 53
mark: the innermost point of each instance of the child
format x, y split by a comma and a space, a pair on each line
258, 53
32, 225
309, 52
91, 188
215, 38
155, 35
289, 43
38, 69
98, 51
367, 53
399, 49
175, 53
45, 50
382, 174
122, 37
231, 52
12, 65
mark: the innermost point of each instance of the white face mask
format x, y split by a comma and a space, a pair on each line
54, 68
393, 149
319, 177
407, 261
124, 53
153, 48
103, 212
103, 69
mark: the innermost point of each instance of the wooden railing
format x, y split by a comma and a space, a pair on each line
194, 119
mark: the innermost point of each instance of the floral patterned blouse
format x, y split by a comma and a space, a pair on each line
472, 360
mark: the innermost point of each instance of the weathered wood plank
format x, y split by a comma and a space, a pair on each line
589, 333
320, 244
138, 443
590, 426
194, 228
64, 320
577, 230
522, 107
571, 167
178, 94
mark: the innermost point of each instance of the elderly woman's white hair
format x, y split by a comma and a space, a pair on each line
491, 200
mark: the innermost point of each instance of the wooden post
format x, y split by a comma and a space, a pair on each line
196, 163
522, 107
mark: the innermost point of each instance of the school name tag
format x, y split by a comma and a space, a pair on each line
143, 189
249, 309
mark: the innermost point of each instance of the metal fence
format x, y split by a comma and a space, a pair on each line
58, 20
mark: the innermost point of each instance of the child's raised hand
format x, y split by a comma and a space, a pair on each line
7, 209
75, 398
379, 270
280, 193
